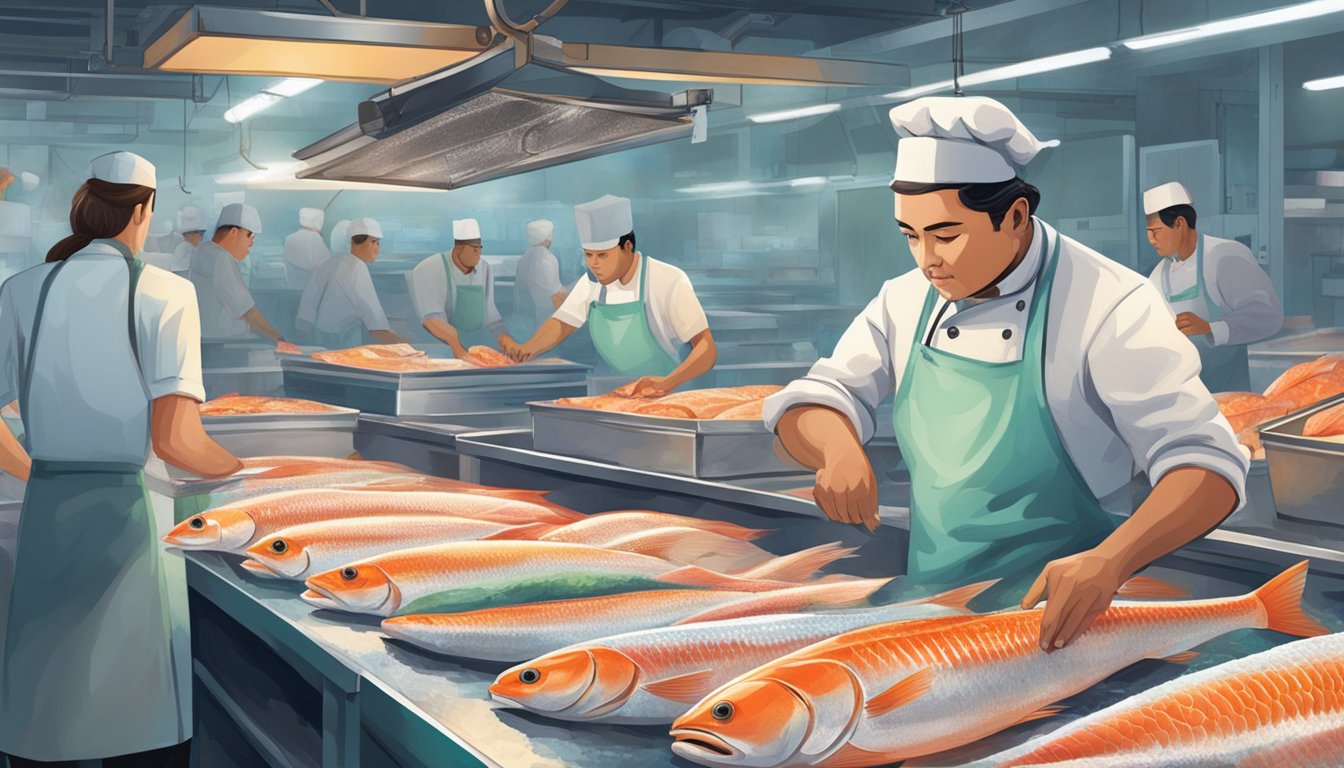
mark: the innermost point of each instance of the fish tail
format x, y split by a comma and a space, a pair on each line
1282, 601
959, 597
800, 566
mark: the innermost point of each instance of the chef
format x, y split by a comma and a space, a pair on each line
305, 250
454, 294
640, 312
1221, 297
340, 238
191, 227
227, 308
339, 302
537, 290
1030, 374
104, 356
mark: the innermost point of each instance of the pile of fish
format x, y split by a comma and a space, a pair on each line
723, 404
250, 405
1301, 386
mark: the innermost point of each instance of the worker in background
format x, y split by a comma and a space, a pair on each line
537, 290
27, 181
640, 312
191, 226
454, 294
339, 302
1221, 297
103, 354
227, 308
1030, 374
340, 239
305, 250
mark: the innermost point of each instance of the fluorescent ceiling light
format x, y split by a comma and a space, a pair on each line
754, 187
252, 106
808, 181
1010, 71
292, 86
1283, 15
251, 42
794, 114
1325, 83
709, 189
1304, 203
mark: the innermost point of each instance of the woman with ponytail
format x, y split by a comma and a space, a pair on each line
104, 357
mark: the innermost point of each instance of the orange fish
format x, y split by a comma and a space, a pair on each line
897, 691
1327, 423
246, 405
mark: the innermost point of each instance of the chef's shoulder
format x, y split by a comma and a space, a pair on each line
664, 272
160, 290
901, 297
26, 283
1095, 287
1220, 248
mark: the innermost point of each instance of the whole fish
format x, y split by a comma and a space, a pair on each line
268, 483
897, 691
495, 634
480, 574
606, 526
1280, 707
655, 675
237, 526
691, 546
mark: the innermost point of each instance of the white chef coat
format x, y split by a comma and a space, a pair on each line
535, 282
1236, 283
305, 251
431, 298
674, 310
221, 292
340, 296
87, 401
1122, 384
180, 264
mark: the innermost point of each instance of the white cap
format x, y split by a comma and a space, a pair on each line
29, 181
123, 168
340, 237
961, 140
240, 215
1163, 197
539, 231
466, 229
364, 227
190, 219
311, 218
603, 222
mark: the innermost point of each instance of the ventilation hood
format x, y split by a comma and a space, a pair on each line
494, 117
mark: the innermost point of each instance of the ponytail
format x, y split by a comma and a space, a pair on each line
100, 209
69, 246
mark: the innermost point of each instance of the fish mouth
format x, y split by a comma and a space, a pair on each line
258, 568
697, 742
505, 700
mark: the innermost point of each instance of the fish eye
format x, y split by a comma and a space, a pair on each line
279, 546
722, 711
197, 523
529, 676
349, 573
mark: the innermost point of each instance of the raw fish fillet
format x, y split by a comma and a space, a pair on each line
613, 403
706, 403
369, 352
753, 411
485, 357
1326, 423
1302, 371
247, 405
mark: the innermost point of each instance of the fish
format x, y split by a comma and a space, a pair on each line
395, 358
304, 550
319, 601
1327, 423
1277, 708
449, 578
1244, 410
494, 633
1309, 383
485, 357
907, 689
753, 411
706, 403
237, 526
651, 677
608, 526
244, 405
612, 403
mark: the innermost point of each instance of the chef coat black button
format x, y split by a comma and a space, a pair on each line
1021, 305
953, 332
1007, 333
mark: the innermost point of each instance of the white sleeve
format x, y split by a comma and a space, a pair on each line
312, 290
684, 313
365, 298
853, 380
9, 345
574, 311
170, 339
1251, 307
548, 274
429, 289
232, 292
1146, 372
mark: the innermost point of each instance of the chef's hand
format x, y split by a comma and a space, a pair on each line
847, 489
519, 353
1079, 587
647, 386
286, 348
1192, 325
511, 349
459, 350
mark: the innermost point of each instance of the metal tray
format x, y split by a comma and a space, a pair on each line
1269, 359
1305, 473
273, 434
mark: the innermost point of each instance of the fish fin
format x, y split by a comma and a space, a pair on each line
806, 597
959, 597
1184, 657
800, 566
690, 546
524, 532
683, 689
1148, 588
850, 756
1042, 713
900, 694
701, 578
1282, 600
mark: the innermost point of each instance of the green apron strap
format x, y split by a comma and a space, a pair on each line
26, 382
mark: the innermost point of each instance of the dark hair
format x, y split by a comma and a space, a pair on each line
224, 230
994, 198
360, 239
100, 209
473, 241
630, 238
1170, 215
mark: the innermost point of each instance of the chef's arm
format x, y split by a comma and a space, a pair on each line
180, 438
824, 441
559, 297
547, 337
13, 458
387, 337
703, 355
259, 325
442, 330
1253, 310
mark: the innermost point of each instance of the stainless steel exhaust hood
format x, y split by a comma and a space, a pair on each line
492, 117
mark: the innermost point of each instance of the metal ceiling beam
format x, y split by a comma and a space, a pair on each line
1003, 13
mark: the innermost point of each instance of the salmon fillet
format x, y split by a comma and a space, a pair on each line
753, 411
247, 405
707, 403
613, 403
1327, 423
485, 357
1329, 366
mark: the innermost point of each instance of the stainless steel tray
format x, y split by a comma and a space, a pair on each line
1305, 473
687, 447
272, 434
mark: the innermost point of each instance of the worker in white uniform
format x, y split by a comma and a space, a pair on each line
104, 356
537, 290
1221, 297
454, 294
340, 239
339, 303
640, 312
191, 226
227, 308
305, 250
1030, 375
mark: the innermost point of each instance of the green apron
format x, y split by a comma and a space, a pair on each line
1223, 368
994, 495
468, 300
87, 668
623, 337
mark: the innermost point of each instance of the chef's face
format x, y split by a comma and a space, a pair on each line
366, 251
192, 237
468, 254
958, 249
608, 265
237, 241
1165, 240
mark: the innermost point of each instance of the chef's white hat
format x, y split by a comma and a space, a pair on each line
603, 222
340, 237
123, 168
466, 229
1162, 197
311, 218
190, 219
365, 227
540, 231
961, 140
240, 215
29, 181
